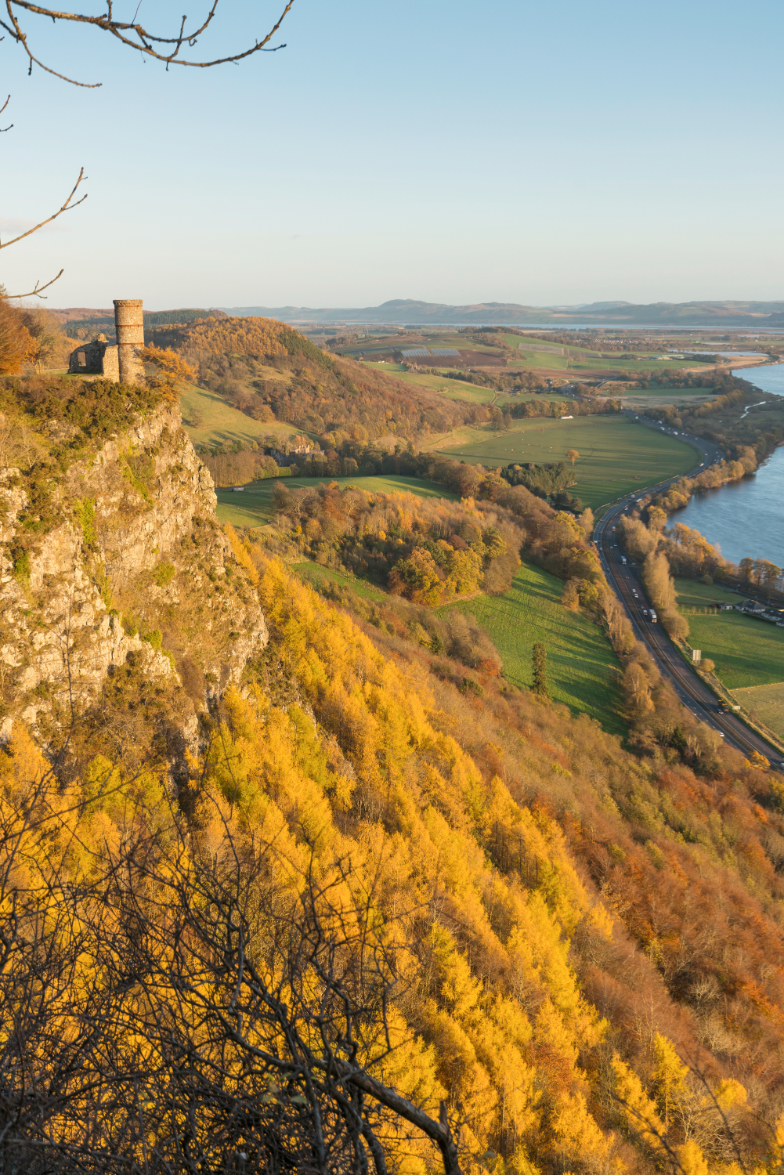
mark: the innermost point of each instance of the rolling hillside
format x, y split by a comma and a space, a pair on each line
270, 373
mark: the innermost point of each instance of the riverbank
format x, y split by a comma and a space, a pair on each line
742, 517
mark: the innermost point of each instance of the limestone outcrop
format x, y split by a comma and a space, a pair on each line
129, 559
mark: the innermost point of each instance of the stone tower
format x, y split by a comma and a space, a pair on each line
129, 321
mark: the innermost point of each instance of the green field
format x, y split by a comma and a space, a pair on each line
765, 703
526, 354
314, 574
617, 456
582, 360
665, 390
581, 665
253, 506
424, 338
692, 594
209, 420
747, 652
452, 389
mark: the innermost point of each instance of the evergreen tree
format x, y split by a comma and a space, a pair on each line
539, 660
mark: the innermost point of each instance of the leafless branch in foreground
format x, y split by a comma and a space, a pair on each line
36, 292
66, 207
69, 204
171, 50
170, 1008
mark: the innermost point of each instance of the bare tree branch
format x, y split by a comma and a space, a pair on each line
134, 36
66, 207
36, 293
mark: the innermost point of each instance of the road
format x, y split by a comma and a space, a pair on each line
626, 581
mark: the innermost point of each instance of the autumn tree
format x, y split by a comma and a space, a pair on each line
171, 365
16, 343
570, 597
572, 455
661, 592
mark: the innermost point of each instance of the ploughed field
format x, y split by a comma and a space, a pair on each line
582, 669
617, 456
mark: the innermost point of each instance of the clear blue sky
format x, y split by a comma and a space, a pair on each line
446, 150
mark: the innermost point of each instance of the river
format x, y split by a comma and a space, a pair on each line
746, 518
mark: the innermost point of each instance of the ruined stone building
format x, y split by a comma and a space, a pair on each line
121, 362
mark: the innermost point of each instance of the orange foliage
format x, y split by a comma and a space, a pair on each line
258, 337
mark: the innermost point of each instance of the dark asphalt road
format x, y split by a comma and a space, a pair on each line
626, 580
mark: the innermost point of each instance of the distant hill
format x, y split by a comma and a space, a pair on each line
81, 322
408, 311
151, 317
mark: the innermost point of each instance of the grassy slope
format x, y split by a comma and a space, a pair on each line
617, 456
253, 507
581, 664
313, 574
453, 389
210, 420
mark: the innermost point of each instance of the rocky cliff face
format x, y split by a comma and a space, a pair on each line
110, 559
